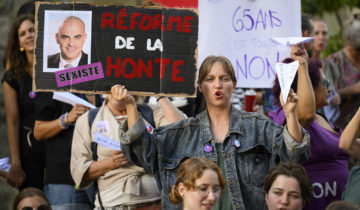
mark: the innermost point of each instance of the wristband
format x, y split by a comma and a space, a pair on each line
66, 120
158, 99
61, 122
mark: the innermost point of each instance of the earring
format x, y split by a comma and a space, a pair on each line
21, 49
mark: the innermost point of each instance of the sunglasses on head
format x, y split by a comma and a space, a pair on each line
41, 207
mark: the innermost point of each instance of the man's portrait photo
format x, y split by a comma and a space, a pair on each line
67, 40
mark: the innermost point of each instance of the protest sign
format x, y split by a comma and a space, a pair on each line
241, 31
89, 48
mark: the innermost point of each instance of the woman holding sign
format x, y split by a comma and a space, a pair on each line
244, 145
121, 184
327, 166
27, 155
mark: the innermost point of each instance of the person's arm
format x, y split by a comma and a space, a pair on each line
83, 168
349, 90
171, 112
16, 175
292, 122
99, 168
120, 93
305, 108
138, 146
48, 129
349, 140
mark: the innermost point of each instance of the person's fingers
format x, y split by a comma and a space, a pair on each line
120, 159
114, 87
122, 163
124, 93
81, 111
118, 155
281, 98
81, 107
293, 97
115, 152
117, 92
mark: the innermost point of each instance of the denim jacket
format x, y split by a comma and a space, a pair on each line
263, 144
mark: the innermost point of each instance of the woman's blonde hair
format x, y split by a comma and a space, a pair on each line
190, 170
210, 61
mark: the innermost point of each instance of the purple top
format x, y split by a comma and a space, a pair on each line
327, 167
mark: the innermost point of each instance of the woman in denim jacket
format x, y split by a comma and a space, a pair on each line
244, 145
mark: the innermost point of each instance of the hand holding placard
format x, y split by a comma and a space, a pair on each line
286, 74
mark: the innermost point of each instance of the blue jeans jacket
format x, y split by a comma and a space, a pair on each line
263, 144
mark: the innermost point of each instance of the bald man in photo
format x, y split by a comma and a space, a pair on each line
71, 37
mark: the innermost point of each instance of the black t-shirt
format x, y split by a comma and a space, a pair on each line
26, 98
26, 106
58, 151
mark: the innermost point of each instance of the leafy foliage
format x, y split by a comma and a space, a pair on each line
318, 7
335, 44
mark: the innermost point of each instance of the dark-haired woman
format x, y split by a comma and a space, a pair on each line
27, 155
287, 187
327, 166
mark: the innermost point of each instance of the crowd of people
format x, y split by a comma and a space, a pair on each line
214, 156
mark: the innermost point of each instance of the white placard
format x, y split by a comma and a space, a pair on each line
242, 30
286, 74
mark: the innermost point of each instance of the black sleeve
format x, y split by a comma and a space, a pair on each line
14, 84
46, 109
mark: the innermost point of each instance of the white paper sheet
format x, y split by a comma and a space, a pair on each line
287, 41
105, 141
286, 74
72, 99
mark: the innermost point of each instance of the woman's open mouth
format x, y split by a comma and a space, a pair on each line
218, 94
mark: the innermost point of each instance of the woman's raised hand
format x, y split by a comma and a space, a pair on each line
291, 102
298, 53
120, 93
